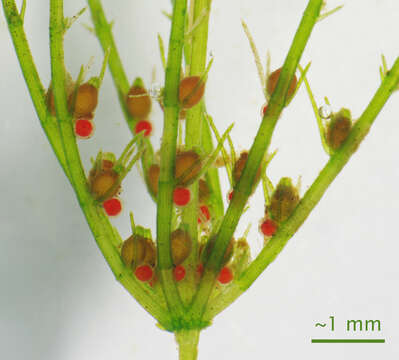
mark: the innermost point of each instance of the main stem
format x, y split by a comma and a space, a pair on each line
196, 61
168, 155
188, 344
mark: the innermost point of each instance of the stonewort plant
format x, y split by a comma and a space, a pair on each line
195, 265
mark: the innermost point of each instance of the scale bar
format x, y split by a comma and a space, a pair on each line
347, 341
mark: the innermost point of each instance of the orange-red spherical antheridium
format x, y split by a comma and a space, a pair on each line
268, 227
272, 83
225, 275
204, 214
187, 167
181, 196
86, 100
113, 206
180, 244
138, 102
84, 128
239, 168
191, 91
153, 178
143, 125
144, 273
179, 272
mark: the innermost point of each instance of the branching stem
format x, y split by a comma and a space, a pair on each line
186, 308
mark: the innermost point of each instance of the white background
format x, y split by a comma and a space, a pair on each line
58, 298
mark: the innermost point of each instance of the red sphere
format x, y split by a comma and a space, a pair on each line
181, 196
144, 272
84, 128
143, 125
225, 275
112, 207
268, 227
179, 272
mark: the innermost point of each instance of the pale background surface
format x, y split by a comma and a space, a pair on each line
58, 299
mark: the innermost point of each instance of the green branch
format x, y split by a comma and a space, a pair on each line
256, 154
313, 195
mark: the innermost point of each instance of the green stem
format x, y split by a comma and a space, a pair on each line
187, 341
313, 195
102, 230
262, 140
168, 155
